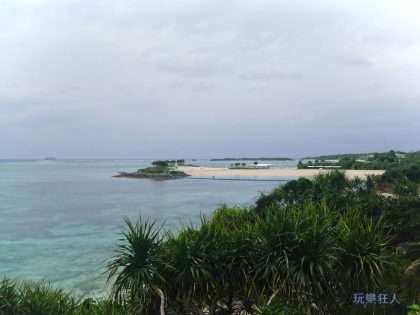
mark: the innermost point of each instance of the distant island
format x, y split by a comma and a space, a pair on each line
254, 159
160, 170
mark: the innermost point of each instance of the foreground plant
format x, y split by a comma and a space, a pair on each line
137, 267
9, 297
35, 298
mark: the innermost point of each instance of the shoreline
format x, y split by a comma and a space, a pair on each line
273, 172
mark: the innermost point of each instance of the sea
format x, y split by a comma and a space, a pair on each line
61, 219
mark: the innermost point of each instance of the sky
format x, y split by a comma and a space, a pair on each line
208, 78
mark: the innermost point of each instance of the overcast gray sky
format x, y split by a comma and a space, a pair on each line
211, 78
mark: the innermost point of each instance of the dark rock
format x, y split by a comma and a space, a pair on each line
413, 271
154, 176
410, 250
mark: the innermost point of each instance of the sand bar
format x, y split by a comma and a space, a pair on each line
273, 172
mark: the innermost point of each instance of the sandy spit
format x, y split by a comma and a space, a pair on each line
225, 172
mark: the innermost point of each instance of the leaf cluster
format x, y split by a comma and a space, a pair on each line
236, 260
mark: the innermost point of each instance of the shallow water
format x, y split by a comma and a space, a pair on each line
60, 219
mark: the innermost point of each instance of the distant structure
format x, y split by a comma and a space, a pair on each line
261, 165
50, 158
180, 162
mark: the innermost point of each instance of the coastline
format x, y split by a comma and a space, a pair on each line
273, 172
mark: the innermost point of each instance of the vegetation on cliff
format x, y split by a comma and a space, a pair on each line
372, 161
402, 170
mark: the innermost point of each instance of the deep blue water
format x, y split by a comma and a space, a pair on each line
60, 219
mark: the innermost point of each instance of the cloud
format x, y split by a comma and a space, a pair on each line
355, 61
193, 68
28, 113
215, 72
271, 75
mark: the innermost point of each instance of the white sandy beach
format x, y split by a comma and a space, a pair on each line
274, 172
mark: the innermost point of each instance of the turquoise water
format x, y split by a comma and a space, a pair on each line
60, 219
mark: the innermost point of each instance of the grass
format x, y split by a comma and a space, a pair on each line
154, 170
39, 298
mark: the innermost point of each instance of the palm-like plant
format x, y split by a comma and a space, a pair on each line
9, 297
43, 299
137, 266
366, 255
312, 253
298, 249
191, 263
302, 256
234, 235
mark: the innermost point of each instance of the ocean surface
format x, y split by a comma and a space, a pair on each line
59, 220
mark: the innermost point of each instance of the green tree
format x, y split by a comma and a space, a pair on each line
160, 164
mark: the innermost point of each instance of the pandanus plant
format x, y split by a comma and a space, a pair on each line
297, 249
307, 258
136, 268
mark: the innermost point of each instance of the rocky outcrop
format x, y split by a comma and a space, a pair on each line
154, 176
413, 271
409, 250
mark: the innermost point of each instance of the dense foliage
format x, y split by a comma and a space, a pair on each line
166, 163
28, 298
163, 167
401, 212
304, 259
408, 163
